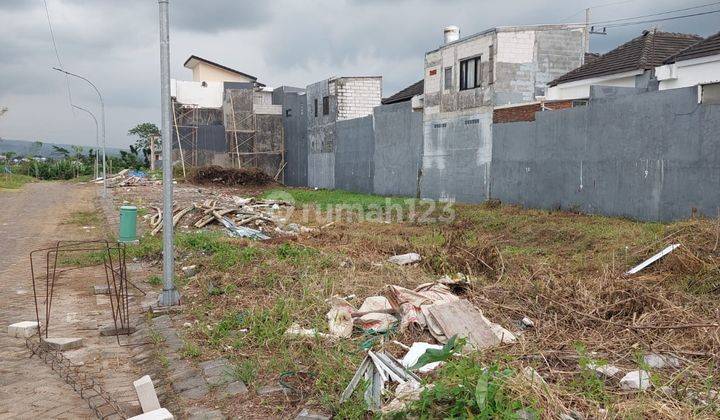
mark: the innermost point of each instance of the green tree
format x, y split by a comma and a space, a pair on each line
63, 151
143, 132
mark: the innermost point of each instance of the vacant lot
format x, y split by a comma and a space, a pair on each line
562, 270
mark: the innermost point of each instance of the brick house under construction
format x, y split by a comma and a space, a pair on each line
226, 117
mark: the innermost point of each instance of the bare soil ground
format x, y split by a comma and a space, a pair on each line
562, 270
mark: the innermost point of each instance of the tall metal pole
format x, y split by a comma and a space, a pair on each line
170, 295
97, 136
102, 120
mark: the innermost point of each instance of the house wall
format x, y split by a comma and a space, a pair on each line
349, 97
580, 89
689, 72
194, 93
321, 135
648, 156
398, 150
204, 72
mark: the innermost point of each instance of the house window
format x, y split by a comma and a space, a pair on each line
287, 112
470, 73
491, 65
315, 107
448, 78
326, 105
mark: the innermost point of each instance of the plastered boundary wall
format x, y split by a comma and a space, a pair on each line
379, 153
647, 156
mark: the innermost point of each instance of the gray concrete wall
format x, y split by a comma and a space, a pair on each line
456, 157
354, 155
398, 150
321, 170
651, 156
295, 127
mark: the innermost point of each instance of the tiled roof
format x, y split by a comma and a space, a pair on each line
704, 48
642, 53
406, 94
193, 58
590, 56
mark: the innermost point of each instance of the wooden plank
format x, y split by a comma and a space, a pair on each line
462, 318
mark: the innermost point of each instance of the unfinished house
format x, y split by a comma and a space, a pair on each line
465, 79
226, 117
327, 102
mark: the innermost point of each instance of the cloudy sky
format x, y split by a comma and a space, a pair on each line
284, 42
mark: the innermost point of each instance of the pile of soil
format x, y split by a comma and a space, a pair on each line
229, 176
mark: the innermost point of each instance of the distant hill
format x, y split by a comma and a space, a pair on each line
24, 148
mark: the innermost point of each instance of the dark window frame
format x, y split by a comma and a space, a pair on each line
315, 106
326, 105
491, 65
471, 63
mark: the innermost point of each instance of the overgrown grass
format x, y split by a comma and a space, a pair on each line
464, 388
85, 218
14, 181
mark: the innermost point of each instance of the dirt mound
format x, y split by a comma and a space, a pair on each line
229, 176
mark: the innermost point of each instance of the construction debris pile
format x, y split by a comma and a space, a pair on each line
430, 307
129, 178
235, 214
230, 177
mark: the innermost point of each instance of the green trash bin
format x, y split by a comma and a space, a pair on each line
128, 224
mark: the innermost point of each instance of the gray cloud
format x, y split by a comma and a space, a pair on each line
115, 44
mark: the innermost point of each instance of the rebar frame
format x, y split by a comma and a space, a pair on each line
116, 279
89, 389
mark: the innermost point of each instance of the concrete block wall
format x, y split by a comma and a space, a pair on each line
357, 96
647, 156
398, 150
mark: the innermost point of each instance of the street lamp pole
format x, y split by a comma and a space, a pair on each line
102, 120
97, 136
170, 295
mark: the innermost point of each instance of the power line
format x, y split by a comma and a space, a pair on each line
657, 14
57, 54
598, 6
661, 20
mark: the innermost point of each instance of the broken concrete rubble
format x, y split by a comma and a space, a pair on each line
146, 395
297, 331
159, 414
23, 329
607, 371
533, 376
190, 270
405, 259
635, 380
661, 361
63, 343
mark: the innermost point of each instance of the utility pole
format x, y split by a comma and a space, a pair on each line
97, 136
102, 120
170, 295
